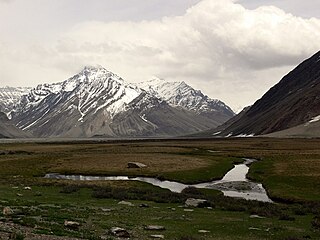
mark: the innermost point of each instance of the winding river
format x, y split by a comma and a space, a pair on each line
233, 184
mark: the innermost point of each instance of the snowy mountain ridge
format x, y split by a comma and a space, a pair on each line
97, 102
91, 82
84, 105
180, 94
9, 96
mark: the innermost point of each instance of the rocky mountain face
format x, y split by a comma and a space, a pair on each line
9, 130
96, 102
294, 101
10, 96
181, 95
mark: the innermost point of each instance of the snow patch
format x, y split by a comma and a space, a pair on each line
229, 135
81, 113
245, 135
30, 125
216, 133
143, 117
315, 119
122, 98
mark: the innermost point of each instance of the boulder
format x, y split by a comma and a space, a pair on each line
144, 205
72, 225
192, 202
7, 211
119, 232
126, 203
256, 216
188, 210
136, 165
157, 236
106, 209
154, 228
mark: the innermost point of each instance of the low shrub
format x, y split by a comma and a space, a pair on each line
70, 189
316, 223
16, 236
192, 191
286, 217
137, 194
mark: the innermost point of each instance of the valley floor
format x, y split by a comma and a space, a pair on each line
37, 207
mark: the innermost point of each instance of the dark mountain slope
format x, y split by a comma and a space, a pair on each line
293, 101
8, 130
310, 129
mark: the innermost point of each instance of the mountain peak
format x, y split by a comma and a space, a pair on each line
94, 68
156, 81
180, 94
96, 73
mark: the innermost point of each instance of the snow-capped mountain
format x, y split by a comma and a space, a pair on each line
98, 102
9, 96
94, 88
180, 94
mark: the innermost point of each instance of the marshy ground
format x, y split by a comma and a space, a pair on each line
288, 168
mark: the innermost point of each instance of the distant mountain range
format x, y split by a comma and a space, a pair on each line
96, 102
9, 96
181, 95
289, 109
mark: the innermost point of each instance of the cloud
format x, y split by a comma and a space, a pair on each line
306, 8
230, 52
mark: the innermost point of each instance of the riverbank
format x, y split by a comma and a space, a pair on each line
233, 184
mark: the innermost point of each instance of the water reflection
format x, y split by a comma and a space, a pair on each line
233, 184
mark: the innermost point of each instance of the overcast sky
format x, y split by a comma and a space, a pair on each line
233, 50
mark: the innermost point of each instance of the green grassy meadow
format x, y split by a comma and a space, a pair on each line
288, 168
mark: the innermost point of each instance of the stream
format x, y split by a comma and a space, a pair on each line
233, 184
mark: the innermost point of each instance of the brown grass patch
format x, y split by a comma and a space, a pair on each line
298, 167
94, 163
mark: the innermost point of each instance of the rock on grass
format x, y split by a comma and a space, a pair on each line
72, 225
155, 228
119, 232
192, 202
7, 211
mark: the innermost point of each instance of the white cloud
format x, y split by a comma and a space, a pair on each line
229, 52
